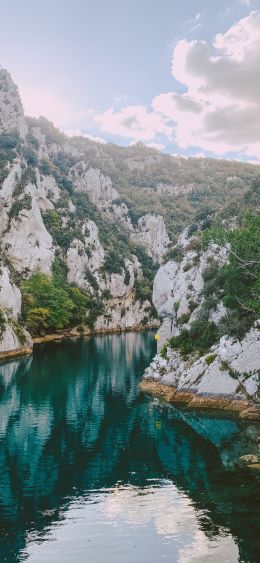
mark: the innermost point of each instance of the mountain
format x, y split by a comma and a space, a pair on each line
84, 227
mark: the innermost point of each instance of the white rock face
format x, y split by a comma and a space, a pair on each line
87, 255
232, 370
11, 110
6, 193
9, 341
96, 185
101, 192
178, 285
48, 192
10, 295
151, 233
28, 243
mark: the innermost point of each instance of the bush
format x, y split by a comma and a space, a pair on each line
45, 306
237, 283
2, 321
201, 336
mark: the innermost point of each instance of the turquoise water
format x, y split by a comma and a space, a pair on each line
93, 471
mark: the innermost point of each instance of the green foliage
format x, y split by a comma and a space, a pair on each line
176, 254
201, 336
163, 352
210, 359
62, 235
2, 321
9, 144
114, 262
18, 205
127, 277
50, 303
96, 308
238, 282
45, 306
90, 278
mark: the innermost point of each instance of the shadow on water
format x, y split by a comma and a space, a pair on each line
72, 421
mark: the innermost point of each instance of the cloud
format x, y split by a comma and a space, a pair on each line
220, 110
134, 122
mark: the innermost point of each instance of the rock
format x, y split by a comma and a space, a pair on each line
11, 110
151, 233
28, 243
178, 285
249, 459
48, 193
85, 256
10, 295
12, 342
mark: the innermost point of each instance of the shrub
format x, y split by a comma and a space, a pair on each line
210, 359
113, 263
45, 306
2, 321
201, 336
18, 205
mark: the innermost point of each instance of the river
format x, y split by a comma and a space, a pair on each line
93, 471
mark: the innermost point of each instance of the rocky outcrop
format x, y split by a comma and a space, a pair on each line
227, 377
14, 340
151, 233
27, 242
177, 289
10, 295
85, 256
11, 111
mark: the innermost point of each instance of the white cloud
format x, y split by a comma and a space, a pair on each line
133, 122
220, 110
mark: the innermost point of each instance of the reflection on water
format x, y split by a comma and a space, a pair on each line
93, 471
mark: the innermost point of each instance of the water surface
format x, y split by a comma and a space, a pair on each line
92, 471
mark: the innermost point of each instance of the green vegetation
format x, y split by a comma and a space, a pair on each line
9, 144
50, 303
201, 336
63, 235
237, 283
2, 321
18, 205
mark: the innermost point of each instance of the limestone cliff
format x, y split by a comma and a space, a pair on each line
227, 374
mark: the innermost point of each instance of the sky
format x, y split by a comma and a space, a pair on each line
182, 77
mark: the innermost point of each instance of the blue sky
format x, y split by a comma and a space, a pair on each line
130, 70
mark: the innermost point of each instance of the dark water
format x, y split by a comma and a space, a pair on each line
92, 471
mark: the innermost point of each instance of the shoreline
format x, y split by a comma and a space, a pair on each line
245, 410
70, 333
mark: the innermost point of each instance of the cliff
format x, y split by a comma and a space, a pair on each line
209, 347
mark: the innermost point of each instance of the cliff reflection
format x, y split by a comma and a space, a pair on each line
72, 420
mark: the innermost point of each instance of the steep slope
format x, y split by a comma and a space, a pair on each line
208, 300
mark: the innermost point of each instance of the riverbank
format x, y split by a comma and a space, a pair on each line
70, 333
247, 410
